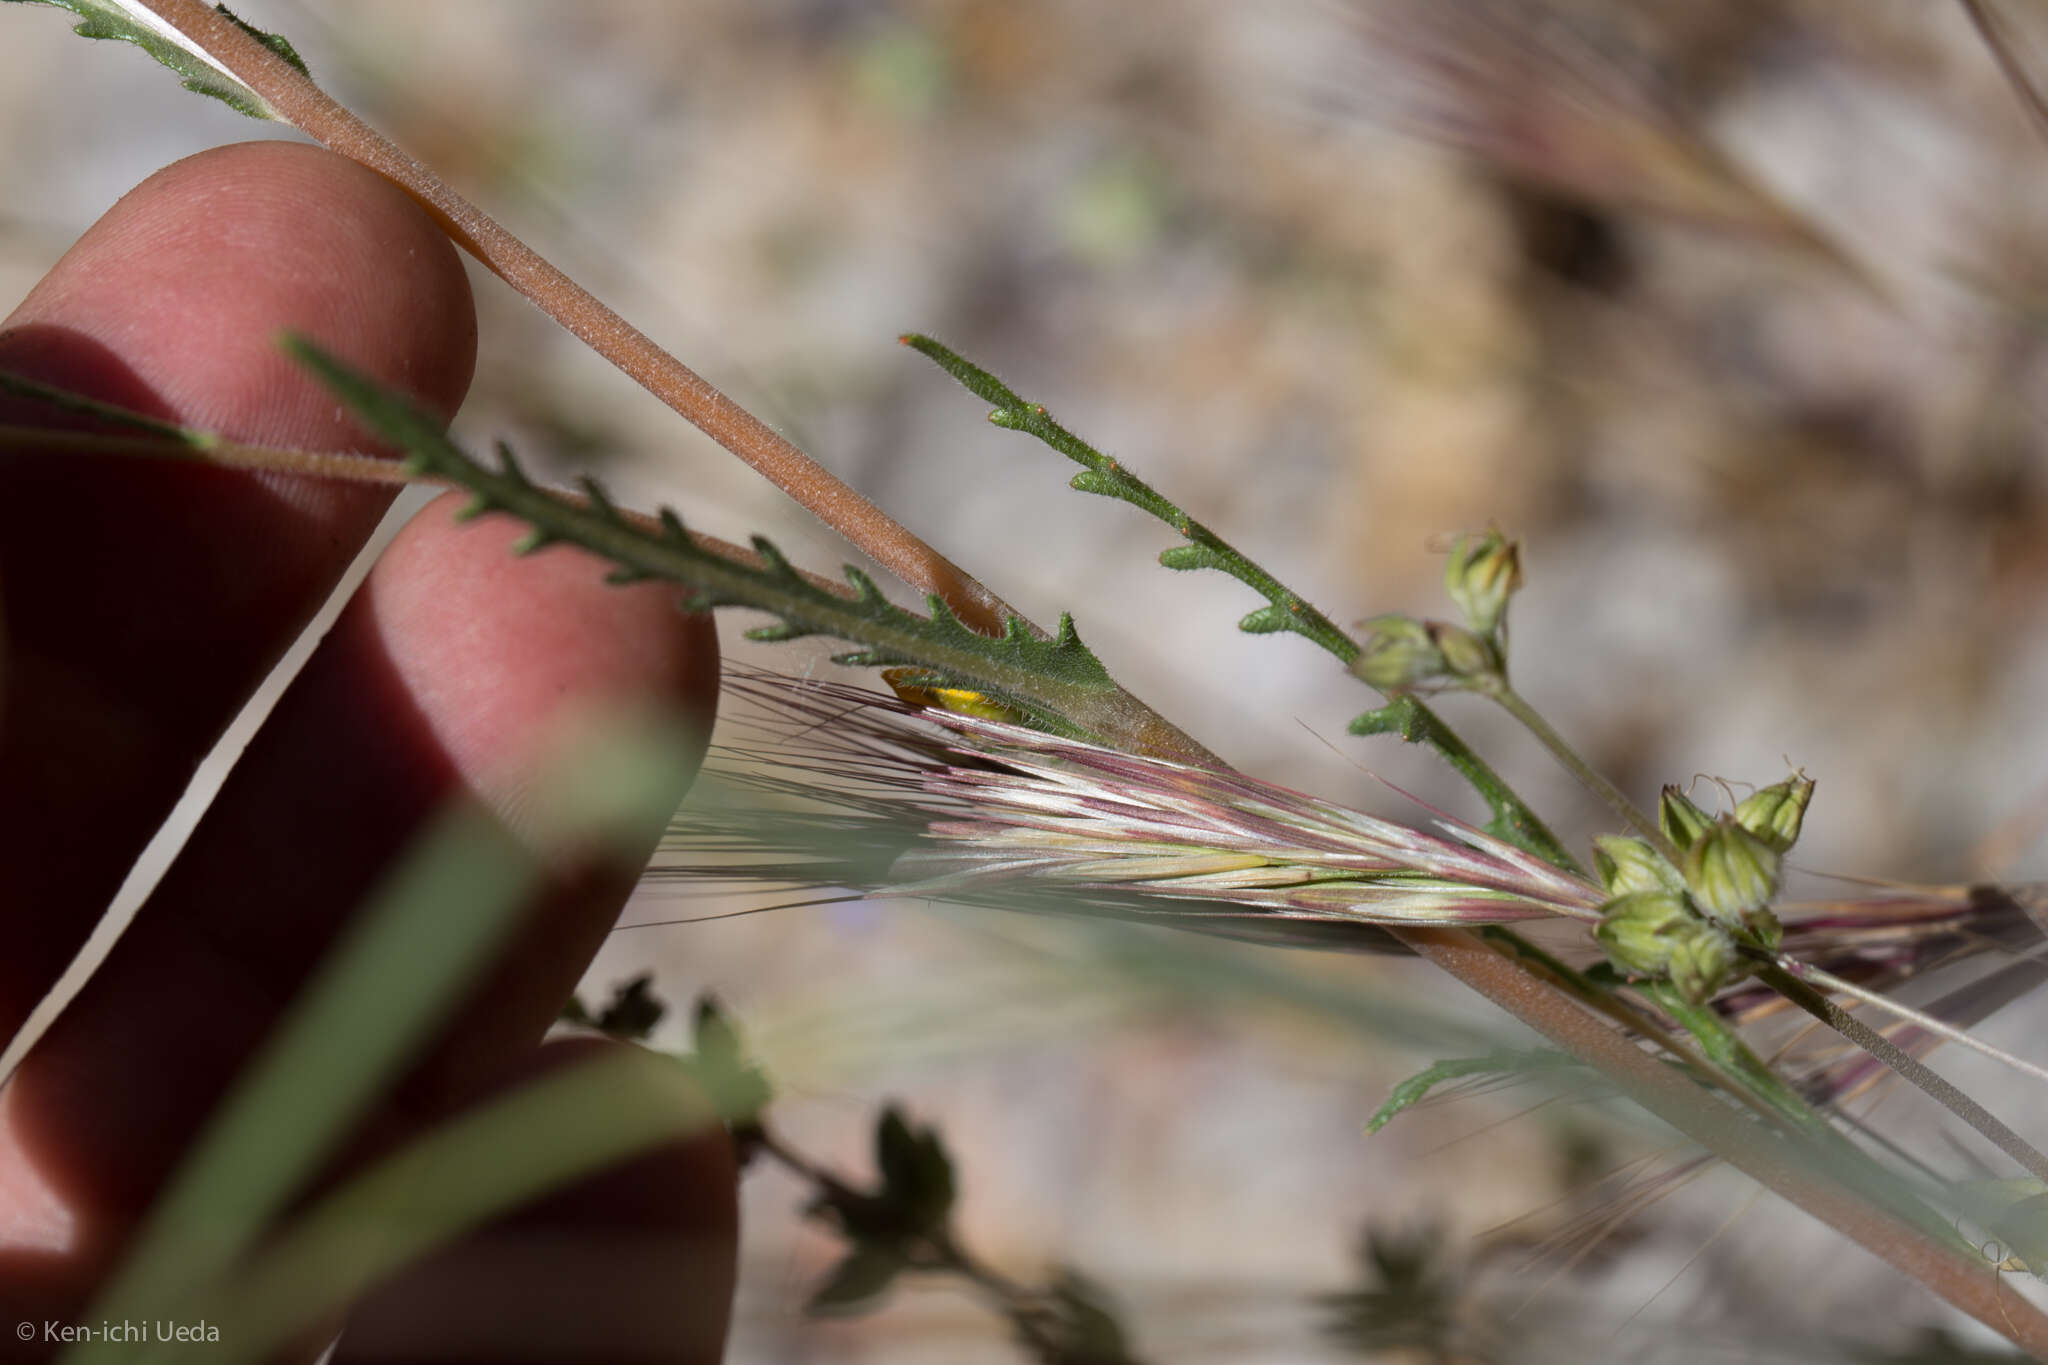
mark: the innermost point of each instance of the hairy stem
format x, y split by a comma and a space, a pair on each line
1915, 1072
306, 107
1827, 980
1725, 1048
1589, 777
1785, 1164
2010, 65
324, 464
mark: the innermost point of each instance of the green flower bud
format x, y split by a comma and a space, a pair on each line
1775, 813
1399, 655
1483, 574
1732, 875
1656, 934
1467, 656
1628, 865
1682, 821
1703, 960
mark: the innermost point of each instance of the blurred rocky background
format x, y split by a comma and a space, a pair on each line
1732, 313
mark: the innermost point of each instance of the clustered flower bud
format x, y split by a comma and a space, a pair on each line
1483, 574
1402, 654
1775, 814
1628, 865
1398, 655
1682, 822
1688, 923
1658, 934
1468, 657
1732, 875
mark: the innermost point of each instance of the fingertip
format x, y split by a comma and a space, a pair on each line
145, 600
189, 280
495, 648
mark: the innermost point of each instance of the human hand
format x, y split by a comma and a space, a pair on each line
141, 602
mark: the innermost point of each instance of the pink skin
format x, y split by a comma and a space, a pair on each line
142, 602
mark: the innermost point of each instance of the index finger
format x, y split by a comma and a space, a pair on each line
143, 602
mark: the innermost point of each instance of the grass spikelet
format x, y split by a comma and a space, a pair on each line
977, 810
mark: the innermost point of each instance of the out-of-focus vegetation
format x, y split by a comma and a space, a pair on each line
1732, 313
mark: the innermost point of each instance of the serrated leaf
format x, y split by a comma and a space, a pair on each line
197, 72
1057, 681
1285, 609
862, 1276
1103, 475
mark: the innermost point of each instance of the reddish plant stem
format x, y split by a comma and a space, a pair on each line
1763, 1155
300, 102
1992, 30
327, 464
1971, 1285
311, 110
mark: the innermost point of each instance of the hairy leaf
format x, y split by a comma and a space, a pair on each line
1057, 681
1286, 610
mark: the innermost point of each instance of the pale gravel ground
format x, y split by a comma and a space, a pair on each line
1766, 516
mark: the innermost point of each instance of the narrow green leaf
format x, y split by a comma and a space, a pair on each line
972, 377
67, 401
1107, 477
383, 988
1412, 721
1412, 1090
509, 1151
276, 42
1285, 610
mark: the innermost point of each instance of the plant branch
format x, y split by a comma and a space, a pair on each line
219, 453
1785, 1164
1589, 777
1412, 721
298, 101
1915, 1072
1034, 1314
1992, 30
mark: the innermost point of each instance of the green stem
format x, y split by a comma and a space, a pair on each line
1512, 819
1913, 1240
1731, 1064
1725, 1048
1989, 1127
1583, 989
1589, 777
